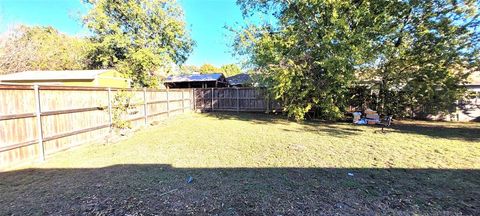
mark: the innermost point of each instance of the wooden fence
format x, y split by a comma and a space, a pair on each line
234, 99
36, 121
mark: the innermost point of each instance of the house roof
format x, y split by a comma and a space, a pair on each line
52, 75
194, 78
239, 79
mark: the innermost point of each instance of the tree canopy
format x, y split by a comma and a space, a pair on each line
318, 50
230, 70
139, 37
25, 48
227, 70
188, 69
208, 68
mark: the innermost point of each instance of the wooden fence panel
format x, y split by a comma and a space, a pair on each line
52, 100
203, 99
18, 131
72, 116
17, 101
157, 106
234, 99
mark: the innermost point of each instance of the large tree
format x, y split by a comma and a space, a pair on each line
316, 50
25, 48
426, 56
140, 37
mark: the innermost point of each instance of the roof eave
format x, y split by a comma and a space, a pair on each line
59, 79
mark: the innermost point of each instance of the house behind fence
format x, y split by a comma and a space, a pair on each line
90, 78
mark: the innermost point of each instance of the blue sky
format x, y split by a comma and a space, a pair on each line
206, 20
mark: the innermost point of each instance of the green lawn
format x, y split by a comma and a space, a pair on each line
258, 164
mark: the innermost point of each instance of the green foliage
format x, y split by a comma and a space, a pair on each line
209, 68
230, 70
42, 48
426, 57
122, 104
362, 97
188, 69
317, 50
140, 67
227, 70
127, 31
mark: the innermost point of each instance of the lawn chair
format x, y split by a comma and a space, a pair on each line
386, 122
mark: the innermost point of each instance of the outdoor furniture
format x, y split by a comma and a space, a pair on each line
372, 117
385, 122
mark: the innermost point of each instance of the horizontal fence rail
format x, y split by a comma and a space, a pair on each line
36, 121
235, 99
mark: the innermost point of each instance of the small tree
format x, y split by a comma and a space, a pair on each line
122, 105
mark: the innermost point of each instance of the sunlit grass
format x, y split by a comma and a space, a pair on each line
257, 141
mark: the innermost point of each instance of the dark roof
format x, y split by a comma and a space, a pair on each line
194, 78
239, 79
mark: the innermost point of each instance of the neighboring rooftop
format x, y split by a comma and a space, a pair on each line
52, 75
194, 78
239, 79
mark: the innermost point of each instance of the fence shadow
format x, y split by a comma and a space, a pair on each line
457, 131
163, 189
446, 130
312, 126
259, 118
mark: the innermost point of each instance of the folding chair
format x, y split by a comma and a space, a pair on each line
386, 122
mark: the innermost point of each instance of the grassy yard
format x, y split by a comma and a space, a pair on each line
258, 164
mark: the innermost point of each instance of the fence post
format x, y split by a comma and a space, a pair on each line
268, 101
183, 102
145, 104
204, 101
212, 99
38, 112
238, 100
193, 97
168, 105
110, 122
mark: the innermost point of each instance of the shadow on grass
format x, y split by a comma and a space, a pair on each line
329, 129
312, 126
258, 118
162, 189
446, 130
